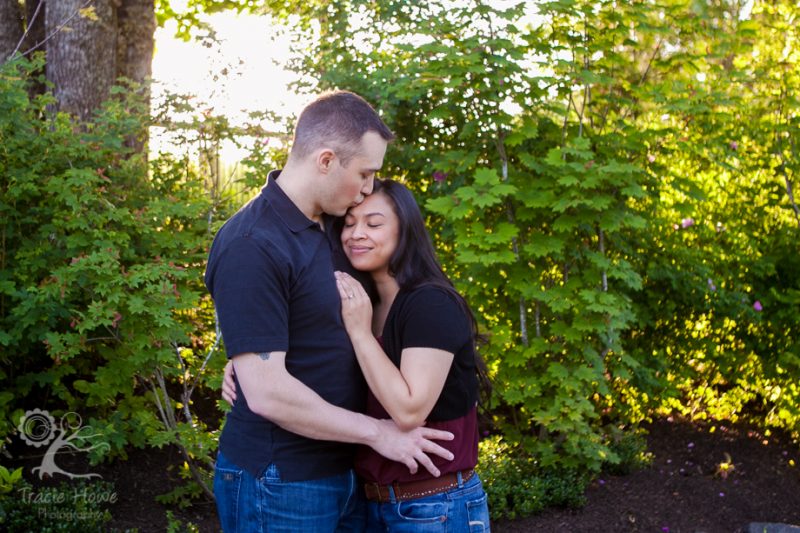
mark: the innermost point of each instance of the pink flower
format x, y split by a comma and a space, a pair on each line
439, 176
757, 306
651, 158
686, 222
734, 145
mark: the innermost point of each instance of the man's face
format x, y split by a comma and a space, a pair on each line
347, 186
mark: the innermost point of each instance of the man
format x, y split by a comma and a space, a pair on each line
286, 451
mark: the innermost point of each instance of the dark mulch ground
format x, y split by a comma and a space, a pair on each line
683, 490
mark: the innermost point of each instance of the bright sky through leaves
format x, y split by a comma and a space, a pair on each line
243, 72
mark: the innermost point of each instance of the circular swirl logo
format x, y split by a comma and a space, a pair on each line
37, 427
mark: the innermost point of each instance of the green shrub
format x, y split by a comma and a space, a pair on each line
517, 486
102, 307
630, 449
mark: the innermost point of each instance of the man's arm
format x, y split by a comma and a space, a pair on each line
272, 392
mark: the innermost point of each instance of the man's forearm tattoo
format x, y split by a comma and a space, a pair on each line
263, 355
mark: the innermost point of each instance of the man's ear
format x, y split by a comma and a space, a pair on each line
325, 160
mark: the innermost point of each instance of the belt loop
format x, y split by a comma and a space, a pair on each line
460, 479
392, 495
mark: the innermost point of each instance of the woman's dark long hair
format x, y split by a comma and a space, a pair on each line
414, 263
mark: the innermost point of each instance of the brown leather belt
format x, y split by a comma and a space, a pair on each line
415, 489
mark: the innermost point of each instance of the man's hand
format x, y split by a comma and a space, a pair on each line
411, 447
228, 384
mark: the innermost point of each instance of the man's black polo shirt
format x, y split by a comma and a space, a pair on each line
270, 273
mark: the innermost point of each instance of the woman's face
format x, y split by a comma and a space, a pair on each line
370, 234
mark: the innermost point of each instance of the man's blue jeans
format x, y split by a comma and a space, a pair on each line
463, 509
246, 504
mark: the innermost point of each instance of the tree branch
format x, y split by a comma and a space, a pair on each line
52, 33
27, 29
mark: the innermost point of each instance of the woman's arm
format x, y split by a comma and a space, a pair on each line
409, 393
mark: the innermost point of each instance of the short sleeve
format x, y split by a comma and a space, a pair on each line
251, 295
432, 318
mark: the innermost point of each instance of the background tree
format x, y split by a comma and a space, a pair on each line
89, 45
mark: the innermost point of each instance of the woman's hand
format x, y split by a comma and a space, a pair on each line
356, 305
228, 384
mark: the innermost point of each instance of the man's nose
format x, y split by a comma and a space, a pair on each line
368, 186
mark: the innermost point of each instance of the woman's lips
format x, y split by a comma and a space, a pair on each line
359, 249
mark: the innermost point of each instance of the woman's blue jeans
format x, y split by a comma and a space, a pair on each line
246, 504
462, 509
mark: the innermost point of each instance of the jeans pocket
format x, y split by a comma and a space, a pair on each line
478, 514
423, 516
227, 484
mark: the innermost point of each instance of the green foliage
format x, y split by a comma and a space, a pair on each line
102, 308
9, 479
631, 449
182, 496
175, 525
518, 486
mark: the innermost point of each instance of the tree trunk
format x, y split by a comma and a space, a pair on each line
87, 52
137, 25
11, 28
80, 54
135, 44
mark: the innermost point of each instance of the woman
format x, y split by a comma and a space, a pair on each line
416, 348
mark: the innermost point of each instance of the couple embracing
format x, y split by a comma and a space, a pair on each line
353, 377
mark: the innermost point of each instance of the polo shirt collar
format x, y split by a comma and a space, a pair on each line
294, 219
